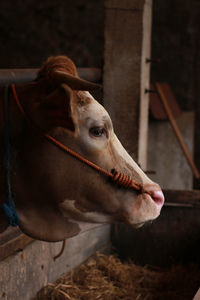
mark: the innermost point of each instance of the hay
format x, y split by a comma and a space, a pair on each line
107, 278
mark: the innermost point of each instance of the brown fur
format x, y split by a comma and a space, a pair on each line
53, 190
81, 99
61, 63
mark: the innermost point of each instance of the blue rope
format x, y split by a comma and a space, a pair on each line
11, 214
9, 205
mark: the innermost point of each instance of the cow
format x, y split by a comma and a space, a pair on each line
55, 191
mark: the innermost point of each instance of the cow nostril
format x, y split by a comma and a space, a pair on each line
158, 197
155, 192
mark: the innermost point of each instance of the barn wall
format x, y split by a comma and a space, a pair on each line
171, 169
175, 41
30, 31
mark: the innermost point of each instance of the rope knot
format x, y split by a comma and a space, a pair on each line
123, 180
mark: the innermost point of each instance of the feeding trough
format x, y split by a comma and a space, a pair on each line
159, 261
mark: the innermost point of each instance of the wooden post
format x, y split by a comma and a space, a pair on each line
145, 85
197, 111
126, 73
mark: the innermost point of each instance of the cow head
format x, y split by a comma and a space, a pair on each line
54, 192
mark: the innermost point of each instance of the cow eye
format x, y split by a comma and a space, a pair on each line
97, 131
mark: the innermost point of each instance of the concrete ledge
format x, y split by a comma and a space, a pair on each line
26, 272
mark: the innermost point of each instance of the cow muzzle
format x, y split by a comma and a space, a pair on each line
143, 208
156, 195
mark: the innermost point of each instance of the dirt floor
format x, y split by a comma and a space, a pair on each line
105, 277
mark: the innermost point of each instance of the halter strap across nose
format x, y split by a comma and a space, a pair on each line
122, 180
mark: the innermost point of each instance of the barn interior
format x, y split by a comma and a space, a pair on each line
130, 47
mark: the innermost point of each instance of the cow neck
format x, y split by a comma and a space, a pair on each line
122, 180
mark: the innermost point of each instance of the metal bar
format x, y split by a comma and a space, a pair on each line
8, 76
174, 204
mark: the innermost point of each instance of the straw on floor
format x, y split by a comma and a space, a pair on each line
105, 277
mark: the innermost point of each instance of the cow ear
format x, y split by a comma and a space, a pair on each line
56, 109
61, 69
74, 82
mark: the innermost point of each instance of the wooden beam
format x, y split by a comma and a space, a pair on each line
144, 85
11, 241
122, 68
197, 110
180, 196
177, 132
26, 75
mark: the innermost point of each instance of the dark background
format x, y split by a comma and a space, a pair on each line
30, 31
176, 41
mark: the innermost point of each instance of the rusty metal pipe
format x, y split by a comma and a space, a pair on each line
27, 75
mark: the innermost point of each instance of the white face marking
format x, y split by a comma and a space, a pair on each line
128, 159
92, 115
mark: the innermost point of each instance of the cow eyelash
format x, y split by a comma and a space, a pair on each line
97, 131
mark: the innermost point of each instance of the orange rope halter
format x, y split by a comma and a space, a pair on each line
119, 178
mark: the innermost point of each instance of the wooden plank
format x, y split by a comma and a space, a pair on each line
14, 245
26, 272
166, 157
13, 240
27, 75
145, 81
122, 68
197, 119
177, 132
156, 108
181, 196
9, 233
